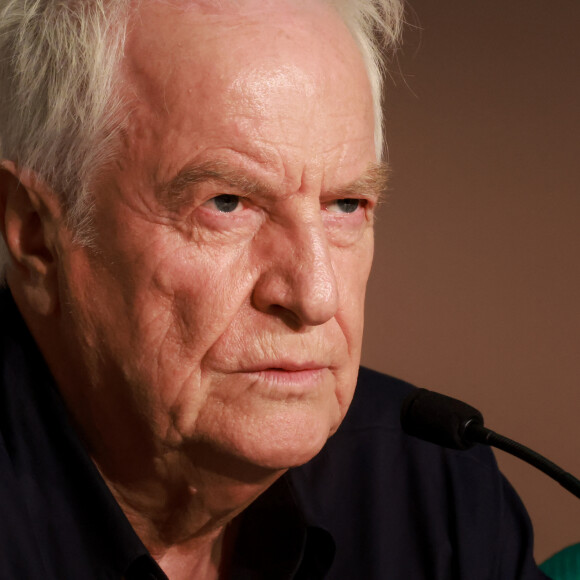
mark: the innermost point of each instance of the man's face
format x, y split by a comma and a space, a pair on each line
222, 301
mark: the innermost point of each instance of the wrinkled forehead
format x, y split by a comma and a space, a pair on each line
224, 47
277, 80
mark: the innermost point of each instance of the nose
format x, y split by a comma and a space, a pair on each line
297, 282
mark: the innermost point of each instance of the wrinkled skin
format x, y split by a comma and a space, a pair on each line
215, 324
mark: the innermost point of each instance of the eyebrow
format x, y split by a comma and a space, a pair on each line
372, 183
174, 192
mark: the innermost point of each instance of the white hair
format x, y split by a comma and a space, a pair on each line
60, 112
376, 26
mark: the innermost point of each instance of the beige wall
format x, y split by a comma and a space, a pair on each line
477, 271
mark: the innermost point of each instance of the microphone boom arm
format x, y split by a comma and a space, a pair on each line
480, 434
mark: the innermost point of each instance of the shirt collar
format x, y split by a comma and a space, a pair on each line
276, 541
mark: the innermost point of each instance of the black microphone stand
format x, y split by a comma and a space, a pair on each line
480, 434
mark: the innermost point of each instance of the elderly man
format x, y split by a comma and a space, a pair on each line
186, 198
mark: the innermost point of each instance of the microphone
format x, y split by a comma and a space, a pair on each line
451, 423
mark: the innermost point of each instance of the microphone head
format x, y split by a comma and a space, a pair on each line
439, 419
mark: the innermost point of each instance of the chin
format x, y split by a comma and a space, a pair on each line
266, 432
282, 444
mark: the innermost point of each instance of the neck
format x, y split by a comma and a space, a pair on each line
184, 511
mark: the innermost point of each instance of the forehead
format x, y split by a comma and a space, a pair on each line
172, 40
284, 70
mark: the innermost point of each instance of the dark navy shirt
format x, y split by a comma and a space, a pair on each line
374, 504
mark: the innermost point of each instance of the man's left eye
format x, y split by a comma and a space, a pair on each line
226, 203
346, 205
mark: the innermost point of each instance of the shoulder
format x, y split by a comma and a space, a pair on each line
405, 506
22, 555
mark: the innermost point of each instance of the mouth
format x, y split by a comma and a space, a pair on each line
287, 366
283, 363
302, 375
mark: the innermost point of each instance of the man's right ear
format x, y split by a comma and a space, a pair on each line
30, 214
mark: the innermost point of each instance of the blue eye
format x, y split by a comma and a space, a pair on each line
226, 203
346, 205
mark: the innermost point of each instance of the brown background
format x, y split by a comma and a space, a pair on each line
476, 285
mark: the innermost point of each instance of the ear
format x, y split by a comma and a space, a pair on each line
30, 214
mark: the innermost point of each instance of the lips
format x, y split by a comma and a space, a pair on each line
285, 366
290, 382
285, 376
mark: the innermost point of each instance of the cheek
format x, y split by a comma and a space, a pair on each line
352, 267
205, 290
157, 308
